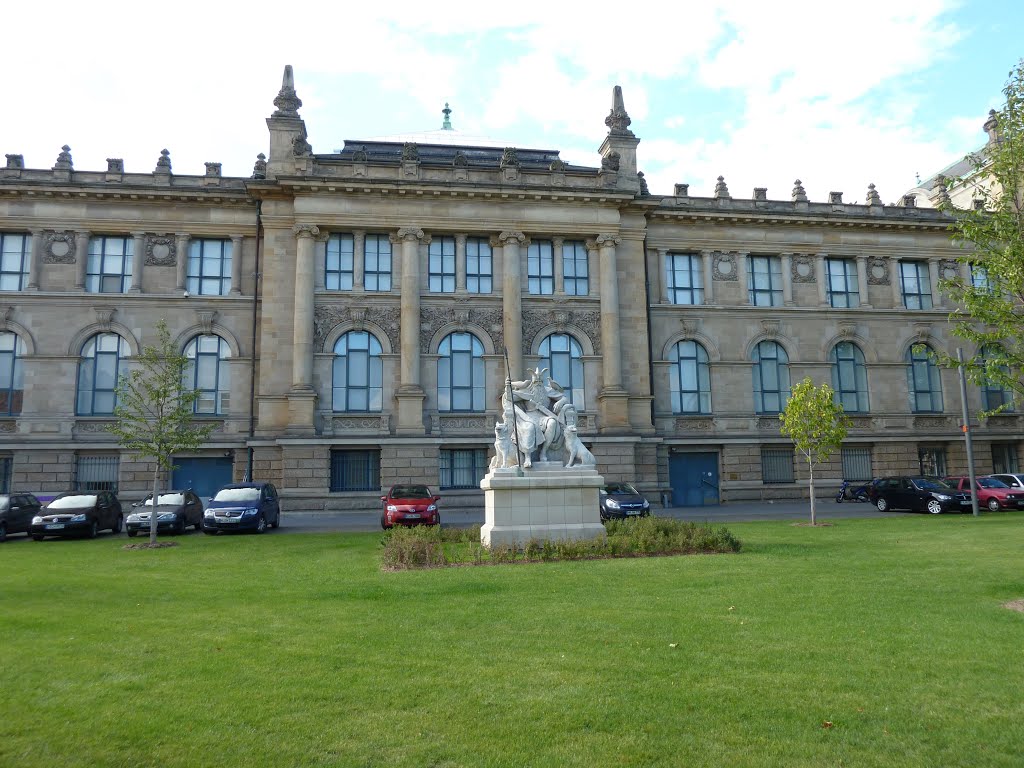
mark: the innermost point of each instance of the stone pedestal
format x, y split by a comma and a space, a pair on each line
549, 502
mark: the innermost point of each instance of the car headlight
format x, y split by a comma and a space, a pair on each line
208, 513
432, 508
943, 497
37, 520
167, 516
79, 518
392, 508
612, 504
250, 512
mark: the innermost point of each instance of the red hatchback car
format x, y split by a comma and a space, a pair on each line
409, 505
992, 493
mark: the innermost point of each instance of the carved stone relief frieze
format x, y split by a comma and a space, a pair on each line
461, 315
588, 321
878, 271
803, 268
59, 248
694, 425
161, 251
723, 267
949, 269
769, 423
327, 316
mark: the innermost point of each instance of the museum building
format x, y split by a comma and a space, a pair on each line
348, 317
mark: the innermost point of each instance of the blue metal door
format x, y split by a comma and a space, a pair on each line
205, 475
694, 478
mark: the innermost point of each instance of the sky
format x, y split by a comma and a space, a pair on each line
761, 93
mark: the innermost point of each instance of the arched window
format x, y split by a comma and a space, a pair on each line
771, 377
209, 373
98, 373
562, 355
460, 373
689, 378
12, 349
923, 380
358, 373
850, 377
994, 393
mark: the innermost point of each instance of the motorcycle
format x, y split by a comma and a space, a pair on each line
846, 493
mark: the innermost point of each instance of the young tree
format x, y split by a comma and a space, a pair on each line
155, 410
990, 309
816, 424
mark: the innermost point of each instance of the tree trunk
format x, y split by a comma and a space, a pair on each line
810, 469
156, 498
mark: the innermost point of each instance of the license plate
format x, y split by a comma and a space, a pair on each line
54, 526
412, 516
228, 519
634, 512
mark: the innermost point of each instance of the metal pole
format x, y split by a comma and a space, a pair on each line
967, 431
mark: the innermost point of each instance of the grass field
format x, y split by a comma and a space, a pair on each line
869, 643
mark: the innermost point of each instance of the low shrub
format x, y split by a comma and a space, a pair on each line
416, 547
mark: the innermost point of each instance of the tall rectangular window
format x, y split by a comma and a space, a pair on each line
932, 461
764, 276
441, 264
777, 465
979, 278
340, 263
6, 467
355, 470
841, 276
14, 256
1004, 458
377, 274
685, 278
857, 464
540, 268
463, 468
915, 285
479, 265
575, 268
96, 473
109, 265
209, 267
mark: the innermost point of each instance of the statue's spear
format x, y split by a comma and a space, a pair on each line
512, 403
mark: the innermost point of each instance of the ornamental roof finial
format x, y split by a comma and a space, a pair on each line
287, 102
447, 124
618, 121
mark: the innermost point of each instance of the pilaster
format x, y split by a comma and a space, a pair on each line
81, 257
511, 298
708, 263
822, 278
138, 260
787, 279
35, 260
460, 263
236, 265
410, 392
182, 244
613, 399
558, 257
358, 258
862, 281
663, 280
302, 396
933, 281
896, 282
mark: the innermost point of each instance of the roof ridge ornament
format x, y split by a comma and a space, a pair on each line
64, 162
447, 124
618, 120
287, 102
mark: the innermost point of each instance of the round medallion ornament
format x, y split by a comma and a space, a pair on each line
60, 248
161, 251
878, 271
725, 267
803, 269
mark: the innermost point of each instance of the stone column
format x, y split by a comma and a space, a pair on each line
896, 283
320, 257
81, 257
743, 274
787, 279
862, 281
511, 298
302, 333
663, 268
709, 276
613, 399
236, 265
181, 246
138, 259
460, 263
358, 258
593, 266
933, 280
822, 278
35, 260
558, 259
410, 392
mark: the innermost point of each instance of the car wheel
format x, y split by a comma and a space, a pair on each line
181, 527
277, 521
132, 534
934, 507
37, 537
261, 524
383, 522
993, 504
882, 504
93, 529
3, 531
118, 524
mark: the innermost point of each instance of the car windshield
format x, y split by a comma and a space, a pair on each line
167, 499
73, 501
991, 482
410, 492
621, 489
237, 494
926, 484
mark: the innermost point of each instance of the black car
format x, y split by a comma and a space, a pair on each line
243, 507
175, 511
622, 500
16, 513
78, 513
918, 494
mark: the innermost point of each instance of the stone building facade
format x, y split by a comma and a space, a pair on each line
353, 316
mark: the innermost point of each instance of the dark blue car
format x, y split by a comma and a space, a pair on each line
243, 507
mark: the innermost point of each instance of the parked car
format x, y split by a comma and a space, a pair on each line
16, 513
918, 494
78, 513
992, 493
1012, 479
409, 505
175, 511
243, 507
622, 500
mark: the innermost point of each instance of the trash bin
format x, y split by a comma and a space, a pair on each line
666, 499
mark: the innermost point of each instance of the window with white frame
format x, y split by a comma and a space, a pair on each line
377, 261
441, 264
14, 261
771, 377
685, 278
339, 264
12, 392
575, 268
209, 267
209, 373
841, 279
460, 373
764, 276
562, 355
109, 265
358, 373
923, 381
689, 378
777, 465
540, 268
915, 285
479, 265
98, 373
850, 377
462, 467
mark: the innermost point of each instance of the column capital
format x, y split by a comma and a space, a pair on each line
305, 230
557, 242
460, 240
410, 233
508, 236
235, 239
138, 234
80, 234
184, 236
608, 240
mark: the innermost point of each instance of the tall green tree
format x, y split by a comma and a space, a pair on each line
816, 424
990, 311
155, 411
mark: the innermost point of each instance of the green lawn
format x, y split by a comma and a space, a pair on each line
297, 650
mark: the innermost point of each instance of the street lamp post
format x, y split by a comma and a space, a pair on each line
966, 428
